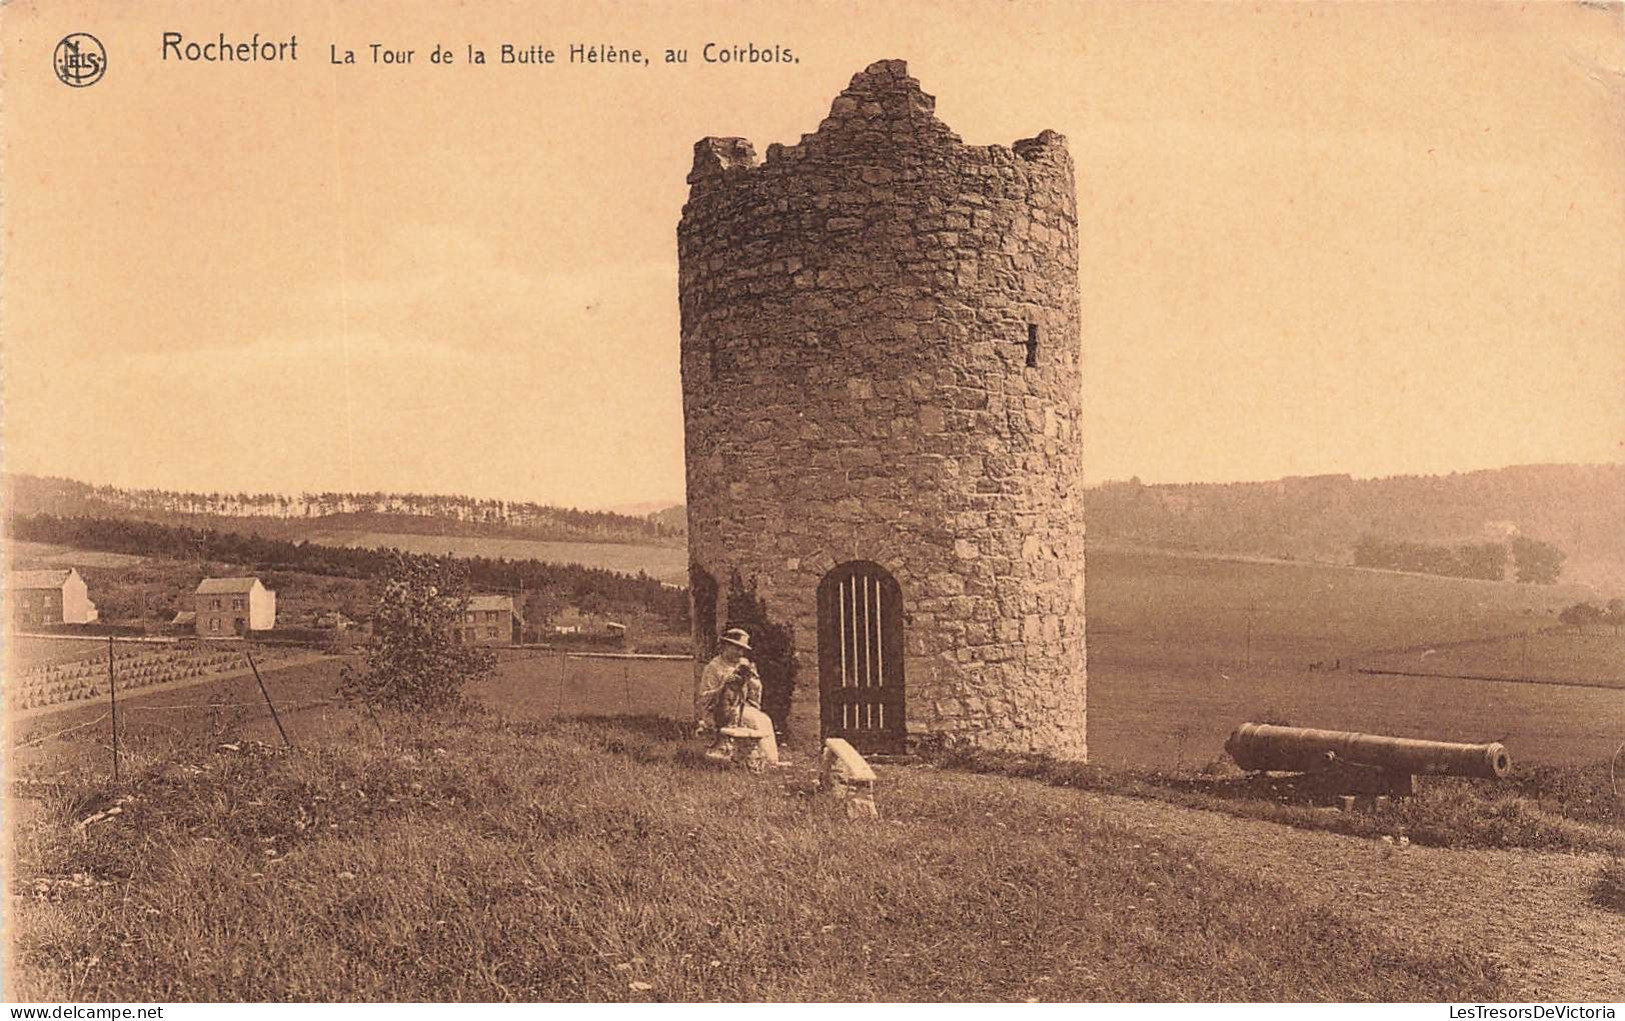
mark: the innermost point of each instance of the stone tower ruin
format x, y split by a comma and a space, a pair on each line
882, 398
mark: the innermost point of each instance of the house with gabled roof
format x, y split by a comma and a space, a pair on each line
47, 598
489, 620
229, 607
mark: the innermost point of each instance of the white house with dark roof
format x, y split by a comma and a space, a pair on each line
227, 607
45, 598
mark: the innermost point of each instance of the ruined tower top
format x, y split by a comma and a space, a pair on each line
881, 110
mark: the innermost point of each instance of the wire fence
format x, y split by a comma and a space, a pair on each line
536, 683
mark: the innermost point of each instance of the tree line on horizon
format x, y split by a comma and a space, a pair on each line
1531, 560
67, 497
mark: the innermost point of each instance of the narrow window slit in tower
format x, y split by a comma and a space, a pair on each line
1032, 345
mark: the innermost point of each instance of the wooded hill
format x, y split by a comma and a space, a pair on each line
1580, 509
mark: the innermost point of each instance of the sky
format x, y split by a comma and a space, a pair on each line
1364, 238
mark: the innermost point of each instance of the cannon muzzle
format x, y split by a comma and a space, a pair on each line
1264, 746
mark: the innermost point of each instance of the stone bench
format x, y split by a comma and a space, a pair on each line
746, 747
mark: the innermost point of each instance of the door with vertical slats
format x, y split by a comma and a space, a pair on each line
860, 657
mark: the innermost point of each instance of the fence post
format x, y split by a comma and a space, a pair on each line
112, 697
558, 691
274, 717
626, 685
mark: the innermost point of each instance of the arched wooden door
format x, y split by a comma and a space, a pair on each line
860, 657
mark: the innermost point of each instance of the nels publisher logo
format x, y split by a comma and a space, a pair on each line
80, 60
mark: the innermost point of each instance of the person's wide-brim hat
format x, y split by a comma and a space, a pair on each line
737, 636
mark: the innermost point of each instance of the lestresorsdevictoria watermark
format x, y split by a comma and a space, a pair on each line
1532, 1012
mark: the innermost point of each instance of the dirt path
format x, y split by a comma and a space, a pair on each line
1528, 909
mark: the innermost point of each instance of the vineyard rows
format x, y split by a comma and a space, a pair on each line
50, 684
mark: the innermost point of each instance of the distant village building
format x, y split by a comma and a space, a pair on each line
489, 620
233, 606
572, 621
332, 620
45, 598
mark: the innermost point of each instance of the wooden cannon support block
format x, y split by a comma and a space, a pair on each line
1370, 803
1371, 781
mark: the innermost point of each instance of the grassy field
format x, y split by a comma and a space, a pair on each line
23, 654
537, 685
484, 860
664, 563
1236, 613
1558, 656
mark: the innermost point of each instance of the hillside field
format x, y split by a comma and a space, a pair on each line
663, 563
29, 555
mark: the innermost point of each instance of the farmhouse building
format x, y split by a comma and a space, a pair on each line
573, 621
45, 598
489, 620
882, 400
228, 607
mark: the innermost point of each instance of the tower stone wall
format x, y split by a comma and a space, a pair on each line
881, 362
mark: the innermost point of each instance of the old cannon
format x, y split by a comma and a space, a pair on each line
1362, 763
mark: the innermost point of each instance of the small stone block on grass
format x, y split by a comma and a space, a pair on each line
844, 775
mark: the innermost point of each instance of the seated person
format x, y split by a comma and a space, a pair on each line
731, 696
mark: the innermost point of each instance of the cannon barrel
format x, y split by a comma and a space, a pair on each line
1263, 746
